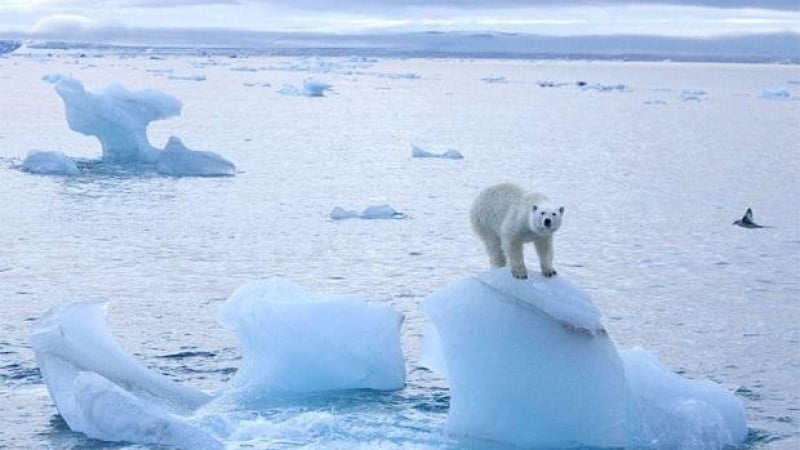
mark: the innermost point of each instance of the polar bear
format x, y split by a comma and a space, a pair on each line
505, 217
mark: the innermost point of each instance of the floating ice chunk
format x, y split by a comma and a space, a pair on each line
293, 342
178, 160
398, 76
98, 389
244, 69
311, 88
549, 84
603, 87
381, 212
530, 365
116, 116
776, 94
417, 152
518, 376
693, 95
49, 163
495, 79
190, 77
370, 212
339, 213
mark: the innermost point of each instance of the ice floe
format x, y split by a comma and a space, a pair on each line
530, 365
189, 77
693, 95
310, 88
178, 160
102, 392
49, 163
780, 93
296, 342
495, 79
371, 212
417, 152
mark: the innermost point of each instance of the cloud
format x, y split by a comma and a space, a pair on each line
62, 24
175, 3
393, 5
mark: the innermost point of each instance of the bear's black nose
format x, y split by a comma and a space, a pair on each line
547, 223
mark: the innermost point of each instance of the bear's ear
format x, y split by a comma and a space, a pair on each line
535, 207
561, 210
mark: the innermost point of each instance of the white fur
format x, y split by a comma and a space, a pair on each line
505, 217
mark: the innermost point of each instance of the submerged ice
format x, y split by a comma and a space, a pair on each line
118, 118
530, 365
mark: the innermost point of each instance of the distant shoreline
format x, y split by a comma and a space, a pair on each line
396, 49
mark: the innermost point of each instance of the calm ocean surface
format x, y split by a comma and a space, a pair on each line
651, 173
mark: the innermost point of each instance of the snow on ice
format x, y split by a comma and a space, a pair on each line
530, 365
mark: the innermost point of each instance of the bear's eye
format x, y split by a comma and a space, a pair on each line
554, 214
542, 212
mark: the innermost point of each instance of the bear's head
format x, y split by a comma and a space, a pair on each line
544, 220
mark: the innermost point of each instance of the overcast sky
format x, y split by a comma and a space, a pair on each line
64, 19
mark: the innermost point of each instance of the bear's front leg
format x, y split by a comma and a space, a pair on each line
544, 248
516, 259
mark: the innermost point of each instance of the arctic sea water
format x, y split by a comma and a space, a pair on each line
653, 162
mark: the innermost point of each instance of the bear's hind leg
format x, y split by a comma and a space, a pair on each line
494, 250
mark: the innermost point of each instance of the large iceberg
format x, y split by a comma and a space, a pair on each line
119, 119
102, 392
294, 342
116, 116
530, 365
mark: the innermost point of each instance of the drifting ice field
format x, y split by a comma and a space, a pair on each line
652, 161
